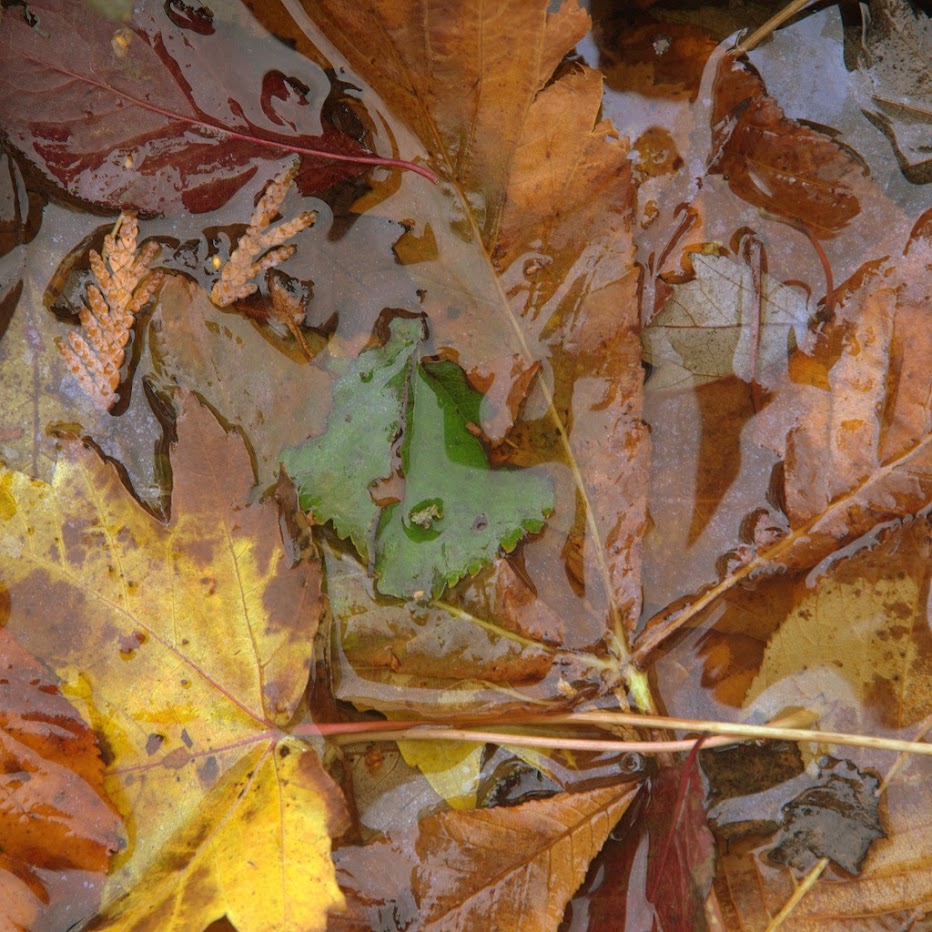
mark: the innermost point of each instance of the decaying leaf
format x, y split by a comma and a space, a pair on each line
529, 252
261, 248
187, 644
509, 868
453, 514
718, 325
58, 828
123, 287
853, 418
777, 163
147, 122
857, 644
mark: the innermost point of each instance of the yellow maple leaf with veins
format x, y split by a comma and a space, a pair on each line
187, 644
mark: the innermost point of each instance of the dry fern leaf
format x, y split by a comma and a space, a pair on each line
260, 248
123, 286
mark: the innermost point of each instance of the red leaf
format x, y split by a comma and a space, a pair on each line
146, 117
681, 865
56, 825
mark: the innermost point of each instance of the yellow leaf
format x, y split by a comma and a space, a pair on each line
187, 645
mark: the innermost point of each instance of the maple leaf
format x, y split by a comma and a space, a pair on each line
165, 133
188, 645
529, 252
123, 288
59, 830
507, 868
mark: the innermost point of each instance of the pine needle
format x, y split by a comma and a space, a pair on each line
123, 287
261, 248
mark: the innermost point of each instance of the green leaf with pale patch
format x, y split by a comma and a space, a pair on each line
455, 513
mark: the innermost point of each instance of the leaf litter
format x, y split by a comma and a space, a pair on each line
525, 273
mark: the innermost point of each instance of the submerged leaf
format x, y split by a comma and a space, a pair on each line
134, 116
188, 644
57, 826
454, 514
511, 869
717, 325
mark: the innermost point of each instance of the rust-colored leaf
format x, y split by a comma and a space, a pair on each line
853, 418
58, 829
776, 163
506, 868
188, 643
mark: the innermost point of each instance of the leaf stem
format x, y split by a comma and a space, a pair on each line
244, 137
772, 24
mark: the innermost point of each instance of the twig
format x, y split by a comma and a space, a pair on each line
758, 36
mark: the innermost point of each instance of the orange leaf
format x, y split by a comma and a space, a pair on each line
58, 828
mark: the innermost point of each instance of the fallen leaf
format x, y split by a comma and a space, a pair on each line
856, 645
776, 163
436, 660
892, 56
454, 514
836, 818
893, 890
40, 397
188, 645
527, 247
681, 861
167, 133
507, 868
853, 418
717, 325
59, 829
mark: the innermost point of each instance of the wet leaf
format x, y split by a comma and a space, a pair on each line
434, 660
853, 418
167, 132
777, 163
837, 818
894, 888
188, 644
455, 514
857, 642
528, 250
58, 827
504, 868
682, 852
719, 324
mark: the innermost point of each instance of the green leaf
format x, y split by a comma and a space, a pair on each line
333, 472
455, 513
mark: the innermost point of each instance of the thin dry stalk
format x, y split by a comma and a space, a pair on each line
772, 24
124, 286
261, 248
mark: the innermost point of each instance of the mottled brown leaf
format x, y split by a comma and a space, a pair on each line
58, 829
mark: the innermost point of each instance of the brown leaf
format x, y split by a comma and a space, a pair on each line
529, 251
894, 889
853, 418
776, 163
58, 827
506, 868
